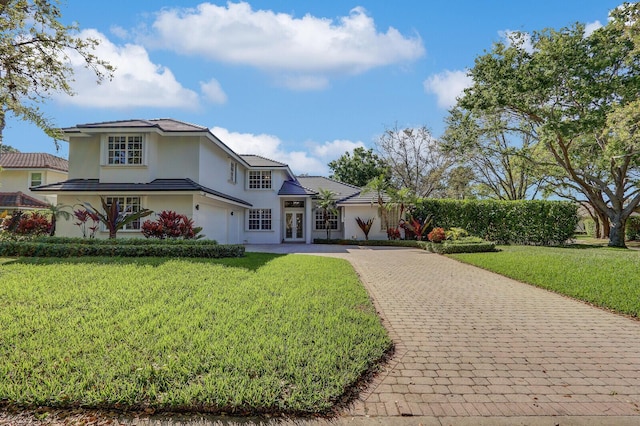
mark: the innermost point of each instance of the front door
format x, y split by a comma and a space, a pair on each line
294, 226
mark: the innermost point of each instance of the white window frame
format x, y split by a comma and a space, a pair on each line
318, 220
260, 180
127, 155
259, 220
233, 171
31, 180
135, 226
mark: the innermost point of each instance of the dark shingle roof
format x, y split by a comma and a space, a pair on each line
315, 183
20, 200
291, 187
33, 160
164, 124
258, 161
157, 185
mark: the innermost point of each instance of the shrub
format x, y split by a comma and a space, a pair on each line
456, 234
33, 224
633, 228
436, 235
170, 224
537, 222
120, 241
449, 247
41, 249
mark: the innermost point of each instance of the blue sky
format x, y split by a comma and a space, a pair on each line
297, 81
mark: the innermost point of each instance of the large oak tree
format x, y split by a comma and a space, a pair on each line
581, 92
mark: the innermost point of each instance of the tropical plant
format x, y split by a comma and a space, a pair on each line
56, 212
327, 204
417, 227
365, 226
33, 224
437, 235
379, 186
170, 224
82, 217
113, 218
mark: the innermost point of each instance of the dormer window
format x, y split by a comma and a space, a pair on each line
260, 179
125, 150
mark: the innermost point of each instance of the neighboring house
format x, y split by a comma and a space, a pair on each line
21, 171
165, 164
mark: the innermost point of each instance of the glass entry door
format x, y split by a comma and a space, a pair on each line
294, 226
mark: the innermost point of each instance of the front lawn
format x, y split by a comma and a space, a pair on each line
259, 334
603, 276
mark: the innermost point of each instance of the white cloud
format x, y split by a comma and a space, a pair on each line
517, 39
312, 161
447, 86
119, 32
213, 91
137, 81
590, 27
279, 42
305, 82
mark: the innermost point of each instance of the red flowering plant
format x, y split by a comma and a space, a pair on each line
33, 224
437, 235
82, 217
170, 224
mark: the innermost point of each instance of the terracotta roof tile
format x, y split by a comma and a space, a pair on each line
20, 200
33, 160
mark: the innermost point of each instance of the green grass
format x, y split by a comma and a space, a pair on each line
259, 334
602, 276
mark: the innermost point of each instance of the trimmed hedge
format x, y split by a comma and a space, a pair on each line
121, 241
537, 222
388, 243
449, 247
39, 249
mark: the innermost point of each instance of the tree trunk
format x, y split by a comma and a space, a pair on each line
52, 232
606, 225
616, 232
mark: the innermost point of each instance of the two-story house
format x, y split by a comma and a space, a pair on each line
20, 171
165, 164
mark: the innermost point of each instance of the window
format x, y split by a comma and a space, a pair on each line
127, 205
260, 179
233, 171
125, 149
260, 219
294, 204
319, 220
36, 179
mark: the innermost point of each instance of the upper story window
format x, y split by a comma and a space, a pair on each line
233, 171
125, 149
259, 179
35, 179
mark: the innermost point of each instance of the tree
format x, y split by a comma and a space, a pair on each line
499, 151
580, 91
358, 169
415, 159
7, 149
327, 203
34, 47
459, 181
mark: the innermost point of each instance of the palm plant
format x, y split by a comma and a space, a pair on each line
56, 212
327, 203
113, 218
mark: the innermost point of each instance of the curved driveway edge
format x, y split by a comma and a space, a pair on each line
471, 343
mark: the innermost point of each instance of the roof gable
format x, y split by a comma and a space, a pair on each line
20, 200
163, 124
33, 160
259, 161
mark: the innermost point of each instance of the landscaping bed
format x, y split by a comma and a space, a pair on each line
253, 335
603, 276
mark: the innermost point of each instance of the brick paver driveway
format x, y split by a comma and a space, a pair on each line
473, 343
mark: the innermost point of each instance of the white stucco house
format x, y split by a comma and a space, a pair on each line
166, 164
20, 171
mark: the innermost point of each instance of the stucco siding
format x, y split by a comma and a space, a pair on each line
84, 157
351, 228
